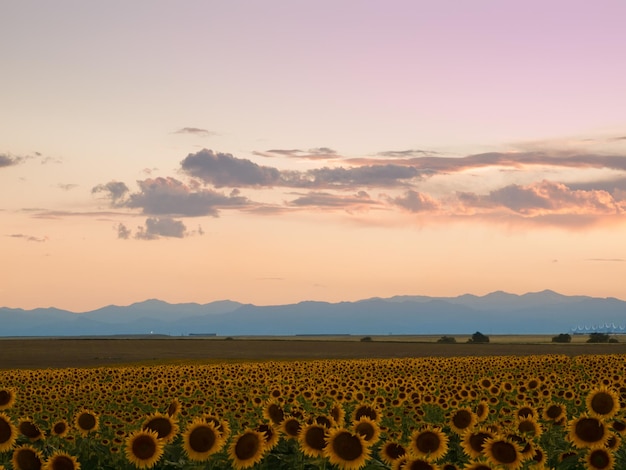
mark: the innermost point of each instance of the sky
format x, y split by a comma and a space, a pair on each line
278, 151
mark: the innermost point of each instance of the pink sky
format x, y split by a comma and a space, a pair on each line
272, 152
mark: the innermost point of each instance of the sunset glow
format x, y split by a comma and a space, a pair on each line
274, 152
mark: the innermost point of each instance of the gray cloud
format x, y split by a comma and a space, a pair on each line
547, 197
195, 131
29, 238
222, 169
67, 187
327, 200
8, 160
514, 160
168, 196
156, 227
406, 153
123, 232
115, 190
415, 201
371, 175
319, 153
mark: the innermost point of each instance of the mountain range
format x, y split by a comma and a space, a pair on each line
545, 312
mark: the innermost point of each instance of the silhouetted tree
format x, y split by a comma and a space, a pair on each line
447, 339
562, 338
598, 338
478, 337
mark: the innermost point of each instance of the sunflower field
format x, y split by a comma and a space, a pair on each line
472, 413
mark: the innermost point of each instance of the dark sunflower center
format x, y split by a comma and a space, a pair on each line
202, 439
292, 427
27, 460
5, 397
527, 427
602, 403
589, 430
477, 441
504, 452
144, 447
554, 411
347, 446
59, 428
266, 430
314, 438
87, 421
395, 451
275, 413
599, 458
427, 442
5, 431
366, 430
420, 465
29, 430
462, 419
247, 446
162, 426
619, 426
62, 462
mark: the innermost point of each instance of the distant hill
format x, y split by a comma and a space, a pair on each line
545, 312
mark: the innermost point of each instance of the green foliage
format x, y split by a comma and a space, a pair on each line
478, 337
562, 338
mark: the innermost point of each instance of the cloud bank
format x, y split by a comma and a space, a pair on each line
570, 196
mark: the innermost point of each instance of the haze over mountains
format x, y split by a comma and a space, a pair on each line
545, 312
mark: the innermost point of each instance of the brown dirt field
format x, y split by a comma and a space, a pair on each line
92, 352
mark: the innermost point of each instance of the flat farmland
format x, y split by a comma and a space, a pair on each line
18, 353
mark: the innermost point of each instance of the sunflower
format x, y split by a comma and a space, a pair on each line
462, 419
165, 427
338, 414
504, 452
368, 411
60, 428
429, 442
143, 448
587, 431
554, 412
247, 449
602, 402
29, 429
86, 421
600, 459
312, 440
201, 440
368, 429
61, 461
26, 457
8, 433
528, 427
270, 435
391, 452
346, 449
273, 412
7, 398
290, 427
540, 458
473, 441
482, 410
173, 408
